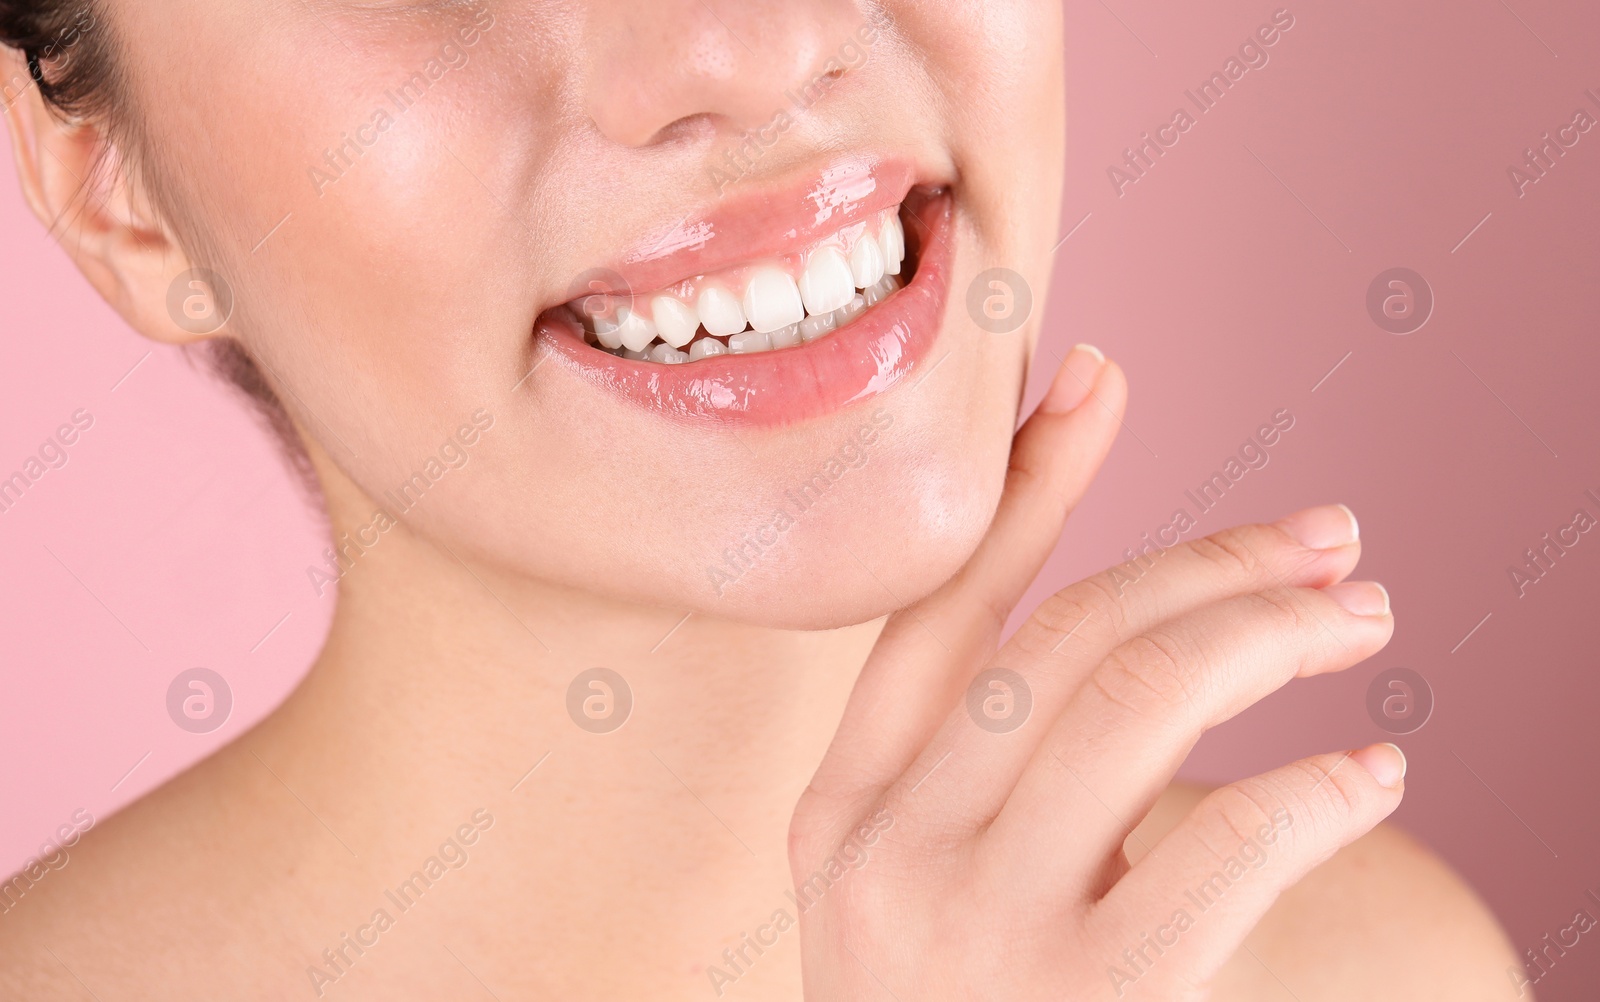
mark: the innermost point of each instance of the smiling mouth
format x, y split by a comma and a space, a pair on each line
755, 306
788, 304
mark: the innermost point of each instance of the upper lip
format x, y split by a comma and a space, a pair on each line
760, 222
868, 356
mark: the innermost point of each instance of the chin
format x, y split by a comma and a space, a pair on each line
857, 550
811, 592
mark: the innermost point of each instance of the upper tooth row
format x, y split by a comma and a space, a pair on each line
772, 298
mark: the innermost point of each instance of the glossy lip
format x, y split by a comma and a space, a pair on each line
749, 226
862, 359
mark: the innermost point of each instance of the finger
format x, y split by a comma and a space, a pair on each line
966, 773
1053, 460
1124, 734
1182, 911
926, 652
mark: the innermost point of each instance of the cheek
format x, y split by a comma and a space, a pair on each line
393, 282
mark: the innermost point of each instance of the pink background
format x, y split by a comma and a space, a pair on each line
1229, 281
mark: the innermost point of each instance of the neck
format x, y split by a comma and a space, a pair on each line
445, 687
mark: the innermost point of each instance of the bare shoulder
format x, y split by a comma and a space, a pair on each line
1384, 919
117, 911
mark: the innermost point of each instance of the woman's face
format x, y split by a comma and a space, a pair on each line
402, 196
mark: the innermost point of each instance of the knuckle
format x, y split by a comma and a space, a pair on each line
1301, 640
1032, 485
1231, 552
1062, 611
1103, 594
1286, 609
1098, 590
995, 611
1090, 602
1024, 478
1335, 792
1144, 673
1241, 811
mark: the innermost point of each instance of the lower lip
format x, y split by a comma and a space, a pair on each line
869, 356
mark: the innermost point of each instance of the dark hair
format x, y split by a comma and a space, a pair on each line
67, 51
66, 55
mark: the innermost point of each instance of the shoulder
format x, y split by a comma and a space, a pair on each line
1384, 919
117, 910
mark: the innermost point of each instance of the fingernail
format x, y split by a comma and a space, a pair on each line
1360, 598
1386, 762
1074, 379
1322, 528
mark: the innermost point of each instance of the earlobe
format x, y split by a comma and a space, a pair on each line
78, 185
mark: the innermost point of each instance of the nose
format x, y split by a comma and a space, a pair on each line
649, 68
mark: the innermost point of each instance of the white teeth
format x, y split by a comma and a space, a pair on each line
635, 330
749, 342
879, 292
894, 244
705, 348
866, 262
720, 312
812, 328
604, 318
772, 300
776, 310
826, 284
675, 322
785, 337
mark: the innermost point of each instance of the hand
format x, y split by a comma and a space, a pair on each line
964, 836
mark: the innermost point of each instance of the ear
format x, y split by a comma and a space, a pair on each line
80, 186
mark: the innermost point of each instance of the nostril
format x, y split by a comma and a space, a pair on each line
690, 129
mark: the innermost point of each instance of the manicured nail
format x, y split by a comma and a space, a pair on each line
1324, 528
1386, 762
1074, 379
1360, 598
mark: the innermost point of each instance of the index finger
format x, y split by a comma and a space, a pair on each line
928, 651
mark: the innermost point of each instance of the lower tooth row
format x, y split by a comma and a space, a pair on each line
750, 341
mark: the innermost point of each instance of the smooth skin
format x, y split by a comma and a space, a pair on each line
621, 866
1021, 835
